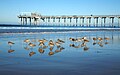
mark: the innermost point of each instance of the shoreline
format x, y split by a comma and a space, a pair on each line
50, 30
29, 28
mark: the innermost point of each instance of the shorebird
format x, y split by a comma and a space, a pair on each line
57, 43
41, 50
94, 43
100, 39
41, 44
51, 43
106, 38
32, 45
72, 45
27, 40
42, 41
85, 40
72, 39
9, 51
84, 37
94, 39
10, 43
51, 53
32, 53
61, 41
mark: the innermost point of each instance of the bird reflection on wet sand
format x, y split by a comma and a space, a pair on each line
10, 43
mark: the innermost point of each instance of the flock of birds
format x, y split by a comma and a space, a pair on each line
57, 45
42, 46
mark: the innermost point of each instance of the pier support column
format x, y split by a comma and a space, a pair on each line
64, 21
21, 20
101, 22
26, 21
35, 21
70, 20
30, 20
88, 21
54, 19
49, 19
58, 20
118, 21
76, 20
82, 21
112, 22
96, 21
104, 20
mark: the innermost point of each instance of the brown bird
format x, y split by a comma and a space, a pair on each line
94, 39
85, 40
32, 45
41, 50
10, 43
27, 40
32, 53
61, 41
106, 38
41, 44
10, 51
100, 39
51, 53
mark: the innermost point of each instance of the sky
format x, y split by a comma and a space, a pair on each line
9, 9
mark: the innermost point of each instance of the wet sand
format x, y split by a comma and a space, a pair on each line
97, 60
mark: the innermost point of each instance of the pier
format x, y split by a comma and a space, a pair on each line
71, 20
